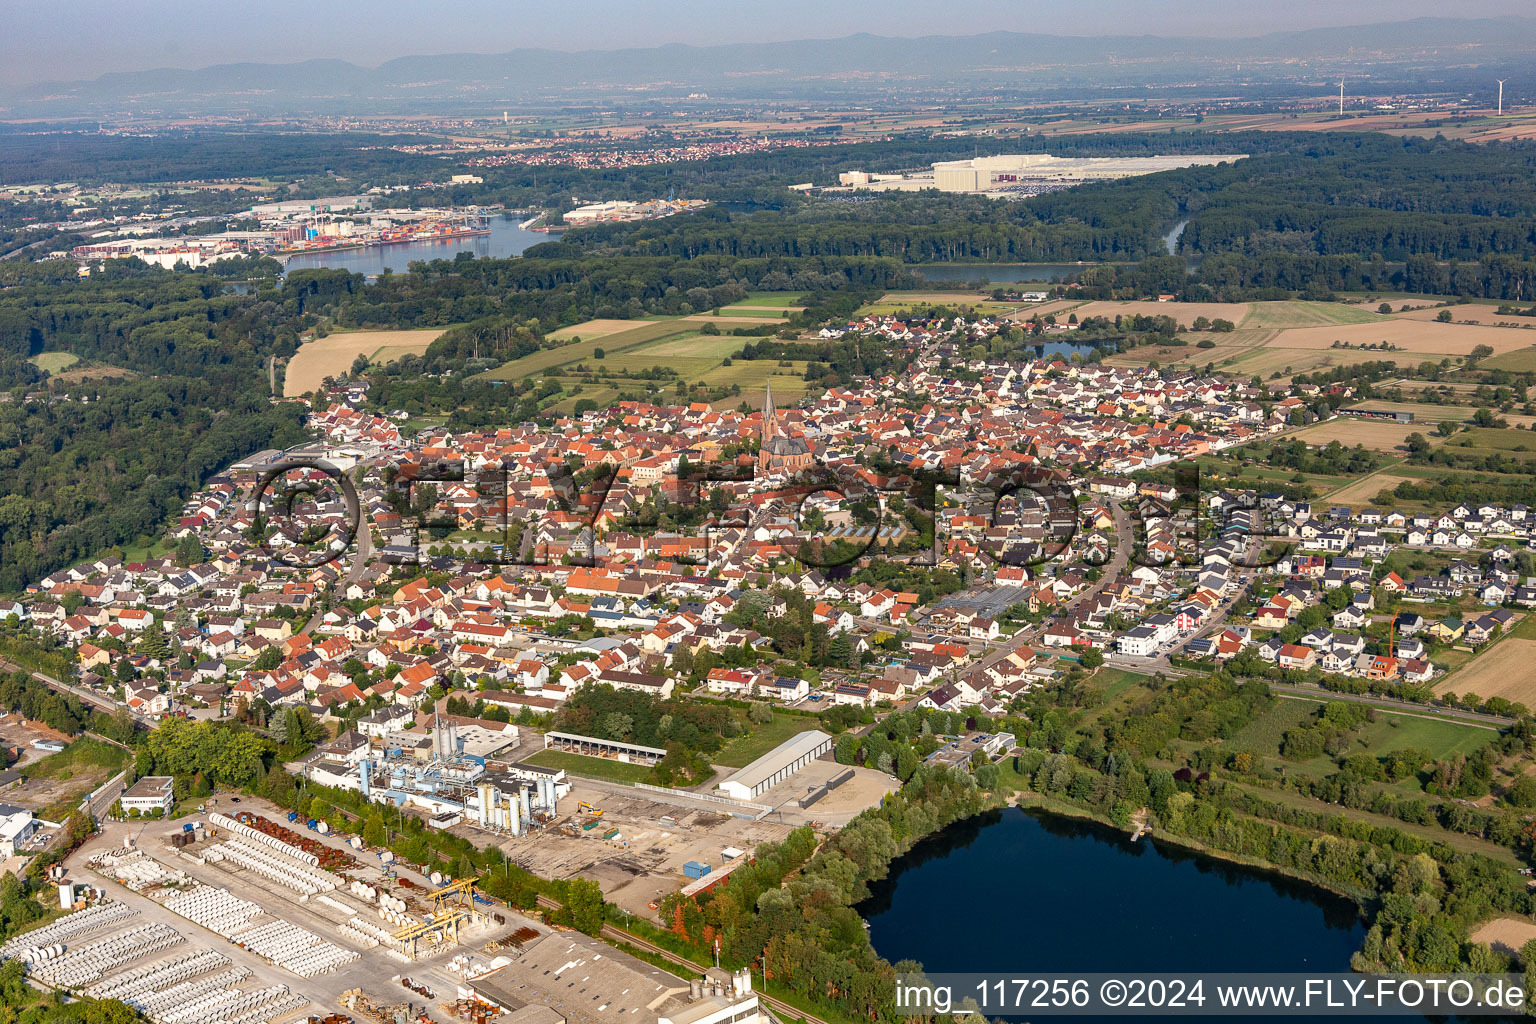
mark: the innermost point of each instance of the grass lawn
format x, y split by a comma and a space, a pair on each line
1112, 682
1457, 840
1493, 438
146, 548
743, 750
1389, 732
592, 767
53, 362
1121, 690
1443, 739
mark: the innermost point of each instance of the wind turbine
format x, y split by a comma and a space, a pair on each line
1501, 96
1341, 97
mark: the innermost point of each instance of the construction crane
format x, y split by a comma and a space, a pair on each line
454, 894
445, 921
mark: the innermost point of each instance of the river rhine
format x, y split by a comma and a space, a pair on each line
1024, 892
506, 239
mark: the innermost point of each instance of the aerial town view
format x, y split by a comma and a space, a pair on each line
660, 514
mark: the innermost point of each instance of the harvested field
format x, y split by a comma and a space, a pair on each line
1411, 335
1468, 313
1364, 490
1184, 312
334, 355
593, 329
92, 373
1502, 671
1375, 435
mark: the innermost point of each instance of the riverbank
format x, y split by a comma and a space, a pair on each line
437, 236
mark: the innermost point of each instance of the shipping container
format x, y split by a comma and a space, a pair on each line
693, 869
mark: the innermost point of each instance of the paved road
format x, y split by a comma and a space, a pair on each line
356, 569
1119, 558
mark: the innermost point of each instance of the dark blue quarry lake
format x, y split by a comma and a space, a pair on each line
1023, 892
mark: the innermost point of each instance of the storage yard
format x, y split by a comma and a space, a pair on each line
654, 840
658, 835
302, 920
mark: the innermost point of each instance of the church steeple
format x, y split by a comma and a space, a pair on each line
770, 416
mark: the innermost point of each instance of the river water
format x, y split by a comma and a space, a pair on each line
506, 239
1022, 892
1171, 239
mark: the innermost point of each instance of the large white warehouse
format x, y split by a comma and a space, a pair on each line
777, 765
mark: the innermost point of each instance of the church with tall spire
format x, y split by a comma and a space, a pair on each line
780, 453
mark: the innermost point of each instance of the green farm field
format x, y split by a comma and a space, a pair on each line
770, 300
1521, 360
675, 345
613, 344
53, 362
1300, 313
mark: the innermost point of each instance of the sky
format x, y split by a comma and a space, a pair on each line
82, 39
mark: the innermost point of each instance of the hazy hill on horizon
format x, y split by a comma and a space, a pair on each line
1450, 52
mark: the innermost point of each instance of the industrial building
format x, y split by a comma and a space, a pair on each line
151, 793
777, 765
453, 774
1027, 173
17, 825
613, 750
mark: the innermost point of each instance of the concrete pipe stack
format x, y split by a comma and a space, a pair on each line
69, 928
129, 984
85, 965
215, 908
262, 839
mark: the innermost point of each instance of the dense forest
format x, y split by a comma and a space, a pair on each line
89, 466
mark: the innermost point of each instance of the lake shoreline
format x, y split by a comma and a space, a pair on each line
1044, 804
